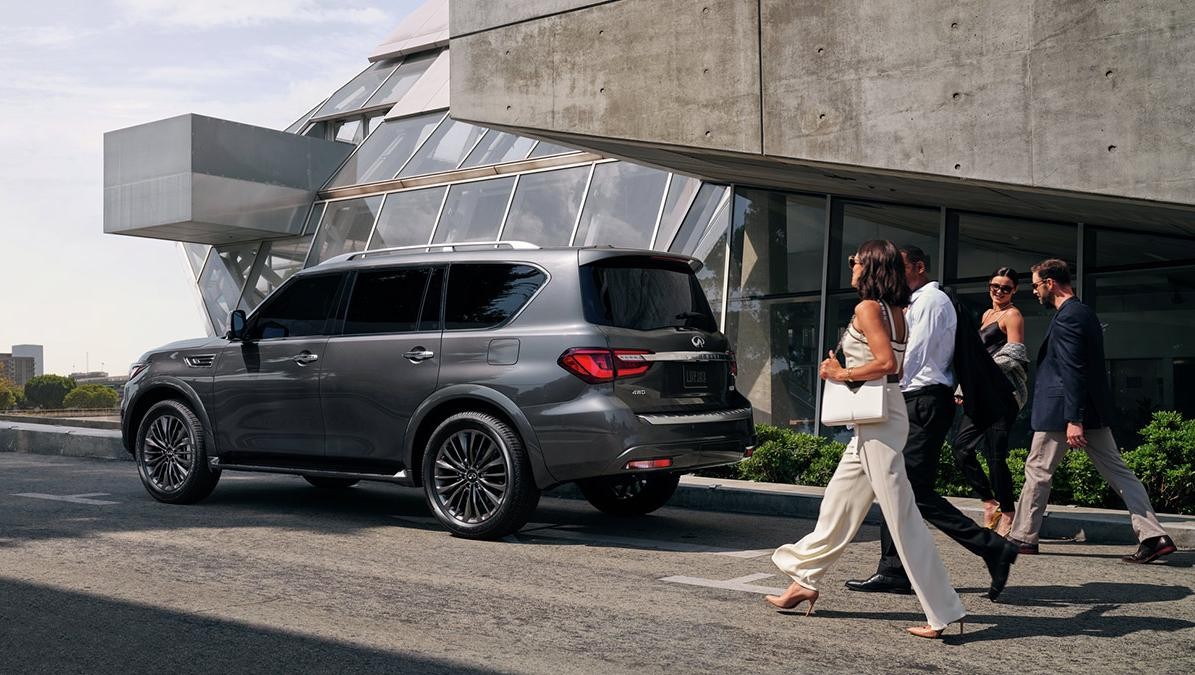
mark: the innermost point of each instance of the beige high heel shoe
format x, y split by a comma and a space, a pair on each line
930, 632
795, 595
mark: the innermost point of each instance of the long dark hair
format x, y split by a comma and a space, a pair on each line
883, 275
1006, 272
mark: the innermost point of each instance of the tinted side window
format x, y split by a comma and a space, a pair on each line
300, 309
385, 301
430, 319
644, 294
484, 295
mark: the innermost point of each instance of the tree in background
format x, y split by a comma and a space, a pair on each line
8, 394
47, 391
91, 396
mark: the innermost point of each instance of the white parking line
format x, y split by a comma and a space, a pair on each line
73, 499
737, 584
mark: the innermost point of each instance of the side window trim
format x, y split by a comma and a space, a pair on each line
350, 286
329, 319
440, 272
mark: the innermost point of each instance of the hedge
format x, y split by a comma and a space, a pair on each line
1165, 463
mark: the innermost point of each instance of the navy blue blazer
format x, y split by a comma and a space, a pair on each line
1072, 382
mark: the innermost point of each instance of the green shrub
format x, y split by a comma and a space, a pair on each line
1165, 462
92, 396
48, 391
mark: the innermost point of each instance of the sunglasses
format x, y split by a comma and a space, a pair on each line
1039, 283
1000, 288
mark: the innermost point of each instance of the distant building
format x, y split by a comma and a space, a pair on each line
117, 382
17, 369
36, 352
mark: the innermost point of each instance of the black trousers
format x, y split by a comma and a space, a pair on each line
931, 411
993, 442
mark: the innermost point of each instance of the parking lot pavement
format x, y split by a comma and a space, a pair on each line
270, 574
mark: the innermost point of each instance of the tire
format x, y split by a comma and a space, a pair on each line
630, 495
171, 455
477, 478
326, 483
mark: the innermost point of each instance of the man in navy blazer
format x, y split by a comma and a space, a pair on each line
1071, 409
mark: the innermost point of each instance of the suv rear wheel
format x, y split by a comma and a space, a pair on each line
477, 478
171, 455
630, 495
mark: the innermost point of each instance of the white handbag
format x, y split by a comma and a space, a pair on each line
855, 403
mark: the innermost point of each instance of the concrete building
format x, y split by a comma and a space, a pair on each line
767, 137
35, 352
17, 369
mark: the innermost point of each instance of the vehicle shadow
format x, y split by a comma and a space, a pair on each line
48, 629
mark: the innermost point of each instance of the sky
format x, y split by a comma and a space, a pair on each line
74, 70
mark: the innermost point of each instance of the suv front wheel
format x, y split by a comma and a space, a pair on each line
630, 495
477, 478
172, 455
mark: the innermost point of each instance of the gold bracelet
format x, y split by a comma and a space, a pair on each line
849, 377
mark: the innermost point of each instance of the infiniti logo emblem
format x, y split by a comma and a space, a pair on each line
698, 341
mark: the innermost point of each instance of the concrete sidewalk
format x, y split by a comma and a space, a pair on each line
1105, 526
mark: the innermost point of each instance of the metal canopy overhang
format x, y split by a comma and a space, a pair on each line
888, 186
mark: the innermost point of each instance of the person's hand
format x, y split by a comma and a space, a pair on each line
958, 400
830, 369
1074, 435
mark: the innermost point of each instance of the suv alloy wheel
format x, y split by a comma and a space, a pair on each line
171, 455
477, 478
631, 495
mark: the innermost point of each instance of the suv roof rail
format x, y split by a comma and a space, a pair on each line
430, 248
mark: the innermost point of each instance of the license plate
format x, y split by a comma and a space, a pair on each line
696, 377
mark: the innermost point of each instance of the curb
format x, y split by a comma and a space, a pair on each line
1096, 526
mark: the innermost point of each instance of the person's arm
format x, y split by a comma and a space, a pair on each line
1068, 337
870, 320
1014, 325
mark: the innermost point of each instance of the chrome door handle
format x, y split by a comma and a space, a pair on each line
418, 354
305, 358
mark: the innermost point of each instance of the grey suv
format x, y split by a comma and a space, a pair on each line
482, 373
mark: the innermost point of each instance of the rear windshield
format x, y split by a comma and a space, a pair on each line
644, 294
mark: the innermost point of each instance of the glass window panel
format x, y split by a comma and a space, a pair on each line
196, 256
300, 123
711, 251
317, 212
222, 279
777, 346
474, 211
445, 150
681, 192
545, 149
345, 227
1148, 322
350, 132
350, 97
545, 206
408, 217
902, 225
779, 242
276, 262
621, 209
499, 147
482, 296
402, 80
1114, 248
386, 150
386, 301
987, 243
709, 198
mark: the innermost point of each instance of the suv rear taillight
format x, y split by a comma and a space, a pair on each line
596, 365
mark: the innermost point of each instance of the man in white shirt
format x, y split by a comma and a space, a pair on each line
928, 387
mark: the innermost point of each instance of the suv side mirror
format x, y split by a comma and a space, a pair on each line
236, 325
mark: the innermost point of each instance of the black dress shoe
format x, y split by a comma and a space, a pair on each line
1022, 547
999, 566
881, 583
1151, 549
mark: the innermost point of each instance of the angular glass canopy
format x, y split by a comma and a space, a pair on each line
408, 217
196, 256
708, 199
386, 150
277, 260
403, 78
474, 211
352, 96
545, 206
681, 191
622, 206
346, 227
499, 147
222, 280
545, 149
445, 150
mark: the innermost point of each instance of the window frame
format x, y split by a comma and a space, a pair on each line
334, 309
515, 315
351, 287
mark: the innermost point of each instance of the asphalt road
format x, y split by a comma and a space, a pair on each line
272, 575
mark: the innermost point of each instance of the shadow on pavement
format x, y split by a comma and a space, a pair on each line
50, 630
1092, 593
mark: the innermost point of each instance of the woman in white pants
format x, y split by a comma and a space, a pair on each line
872, 466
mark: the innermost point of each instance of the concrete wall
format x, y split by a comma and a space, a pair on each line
1060, 94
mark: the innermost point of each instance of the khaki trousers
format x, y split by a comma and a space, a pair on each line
1048, 449
874, 468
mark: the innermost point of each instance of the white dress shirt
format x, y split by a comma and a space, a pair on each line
930, 349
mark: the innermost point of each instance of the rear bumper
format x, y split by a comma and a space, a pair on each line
598, 436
